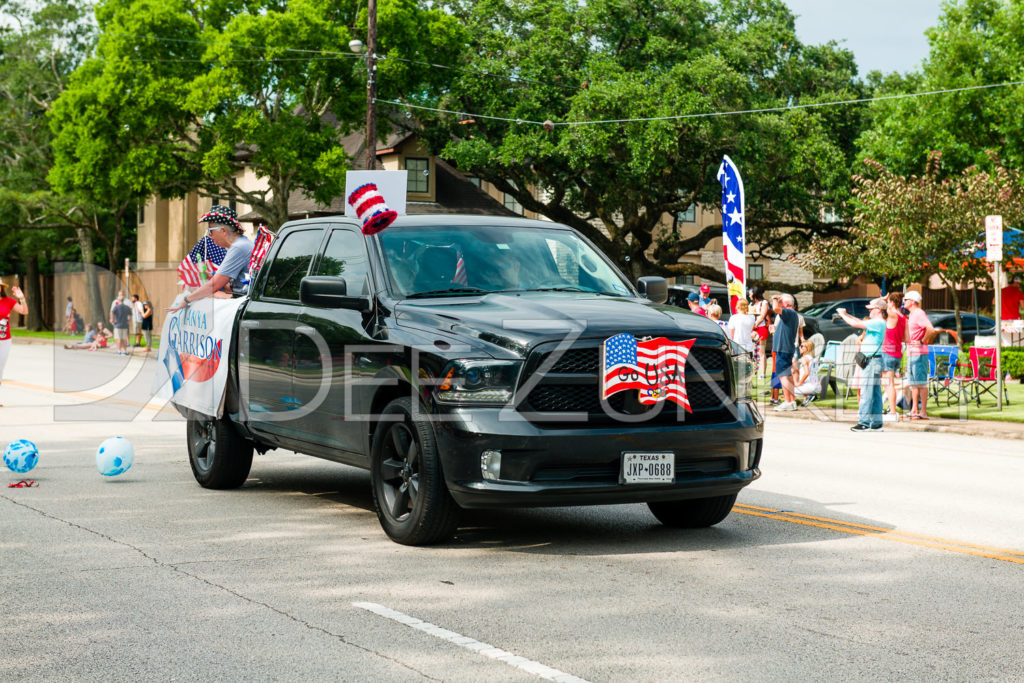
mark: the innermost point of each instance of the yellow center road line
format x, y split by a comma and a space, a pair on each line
934, 542
81, 394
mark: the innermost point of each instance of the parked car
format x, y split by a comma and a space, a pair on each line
823, 318
459, 359
677, 297
972, 326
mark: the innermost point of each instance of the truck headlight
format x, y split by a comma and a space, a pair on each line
478, 382
742, 368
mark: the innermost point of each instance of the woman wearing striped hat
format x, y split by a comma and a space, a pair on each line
225, 231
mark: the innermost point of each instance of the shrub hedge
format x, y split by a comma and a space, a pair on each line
1013, 361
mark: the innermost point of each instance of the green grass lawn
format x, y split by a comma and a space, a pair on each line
59, 338
1012, 412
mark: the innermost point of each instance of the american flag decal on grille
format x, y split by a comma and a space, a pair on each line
654, 367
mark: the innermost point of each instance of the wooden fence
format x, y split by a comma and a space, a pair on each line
156, 285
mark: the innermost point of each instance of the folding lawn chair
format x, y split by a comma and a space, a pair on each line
942, 365
844, 367
819, 344
830, 356
984, 377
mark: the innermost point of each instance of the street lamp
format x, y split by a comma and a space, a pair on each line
356, 45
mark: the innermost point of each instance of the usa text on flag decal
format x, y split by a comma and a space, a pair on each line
655, 367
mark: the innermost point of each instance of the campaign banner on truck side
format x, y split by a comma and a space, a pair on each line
192, 367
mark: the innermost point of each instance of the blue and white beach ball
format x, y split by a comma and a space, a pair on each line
20, 456
115, 456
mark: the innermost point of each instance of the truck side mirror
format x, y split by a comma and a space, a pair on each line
326, 291
654, 288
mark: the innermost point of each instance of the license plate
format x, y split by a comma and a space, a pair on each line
648, 468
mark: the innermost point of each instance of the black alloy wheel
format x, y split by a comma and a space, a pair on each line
409, 492
219, 456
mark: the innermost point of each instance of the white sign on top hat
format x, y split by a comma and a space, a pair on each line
391, 185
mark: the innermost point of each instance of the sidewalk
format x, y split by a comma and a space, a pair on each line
969, 427
35, 368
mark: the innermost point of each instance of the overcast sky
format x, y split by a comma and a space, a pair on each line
887, 35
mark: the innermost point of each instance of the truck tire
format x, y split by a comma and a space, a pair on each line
693, 514
219, 456
412, 501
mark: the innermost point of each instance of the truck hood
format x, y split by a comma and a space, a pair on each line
508, 325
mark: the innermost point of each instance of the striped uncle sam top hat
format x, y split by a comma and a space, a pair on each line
371, 208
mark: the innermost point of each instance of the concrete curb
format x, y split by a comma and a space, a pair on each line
975, 427
33, 340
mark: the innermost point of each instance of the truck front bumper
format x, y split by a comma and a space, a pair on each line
546, 466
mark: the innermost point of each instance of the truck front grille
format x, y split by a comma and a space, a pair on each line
572, 386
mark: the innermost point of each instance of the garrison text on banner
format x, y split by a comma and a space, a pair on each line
195, 345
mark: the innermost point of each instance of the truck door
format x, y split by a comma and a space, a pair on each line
331, 346
266, 353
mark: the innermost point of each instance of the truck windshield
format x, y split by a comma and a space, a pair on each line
466, 260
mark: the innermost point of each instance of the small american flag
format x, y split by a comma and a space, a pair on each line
189, 272
202, 262
460, 271
656, 368
264, 238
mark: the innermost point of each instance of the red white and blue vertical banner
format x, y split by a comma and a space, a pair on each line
195, 344
733, 231
654, 367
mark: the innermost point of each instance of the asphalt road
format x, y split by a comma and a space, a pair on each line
855, 557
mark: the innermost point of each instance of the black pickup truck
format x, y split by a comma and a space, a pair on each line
459, 359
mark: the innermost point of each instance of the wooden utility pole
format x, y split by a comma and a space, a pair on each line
371, 85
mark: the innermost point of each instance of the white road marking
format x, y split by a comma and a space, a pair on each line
528, 665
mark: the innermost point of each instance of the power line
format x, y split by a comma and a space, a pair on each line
459, 112
186, 60
734, 112
193, 41
518, 79
329, 54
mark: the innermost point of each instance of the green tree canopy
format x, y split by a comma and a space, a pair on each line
182, 95
675, 65
911, 227
40, 47
976, 43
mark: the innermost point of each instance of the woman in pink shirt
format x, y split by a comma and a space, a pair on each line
892, 349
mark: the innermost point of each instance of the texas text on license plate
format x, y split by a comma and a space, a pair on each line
648, 468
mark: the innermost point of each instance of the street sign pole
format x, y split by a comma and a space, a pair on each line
994, 253
999, 334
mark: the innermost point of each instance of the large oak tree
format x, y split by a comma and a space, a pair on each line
40, 46
181, 95
684, 68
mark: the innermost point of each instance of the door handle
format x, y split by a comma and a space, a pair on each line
250, 324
